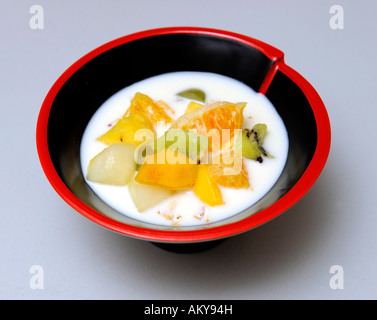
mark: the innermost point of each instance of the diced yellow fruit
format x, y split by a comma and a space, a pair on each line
155, 112
145, 196
192, 106
206, 189
114, 165
167, 169
126, 128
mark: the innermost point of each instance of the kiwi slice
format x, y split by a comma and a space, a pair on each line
250, 142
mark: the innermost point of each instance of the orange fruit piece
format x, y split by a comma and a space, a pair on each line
206, 189
155, 111
165, 106
212, 119
229, 170
167, 169
125, 129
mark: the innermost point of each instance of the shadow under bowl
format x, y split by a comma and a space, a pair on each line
88, 83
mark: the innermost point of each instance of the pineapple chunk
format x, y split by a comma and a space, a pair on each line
114, 165
126, 129
145, 196
192, 106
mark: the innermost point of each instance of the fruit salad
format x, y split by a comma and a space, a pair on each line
201, 151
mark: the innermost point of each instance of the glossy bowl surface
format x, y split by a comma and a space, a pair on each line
85, 85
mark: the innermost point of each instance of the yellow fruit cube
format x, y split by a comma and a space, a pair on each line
206, 189
127, 127
167, 169
192, 106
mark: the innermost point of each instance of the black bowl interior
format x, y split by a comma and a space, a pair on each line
85, 91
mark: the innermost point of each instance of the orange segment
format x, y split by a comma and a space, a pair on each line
230, 171
167, 169
206, 189
212, 118
165, 106
155, 111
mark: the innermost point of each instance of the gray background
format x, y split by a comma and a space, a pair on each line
289, 257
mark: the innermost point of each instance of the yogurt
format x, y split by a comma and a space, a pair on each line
184, 208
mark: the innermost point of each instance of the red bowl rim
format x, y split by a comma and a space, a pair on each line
306, 181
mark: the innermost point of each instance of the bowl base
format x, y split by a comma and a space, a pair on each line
188, 247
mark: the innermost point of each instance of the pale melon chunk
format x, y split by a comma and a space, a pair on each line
114, 165
146, 196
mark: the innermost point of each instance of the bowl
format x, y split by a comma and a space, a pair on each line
84, 86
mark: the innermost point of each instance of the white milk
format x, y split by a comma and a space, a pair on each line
185, 204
